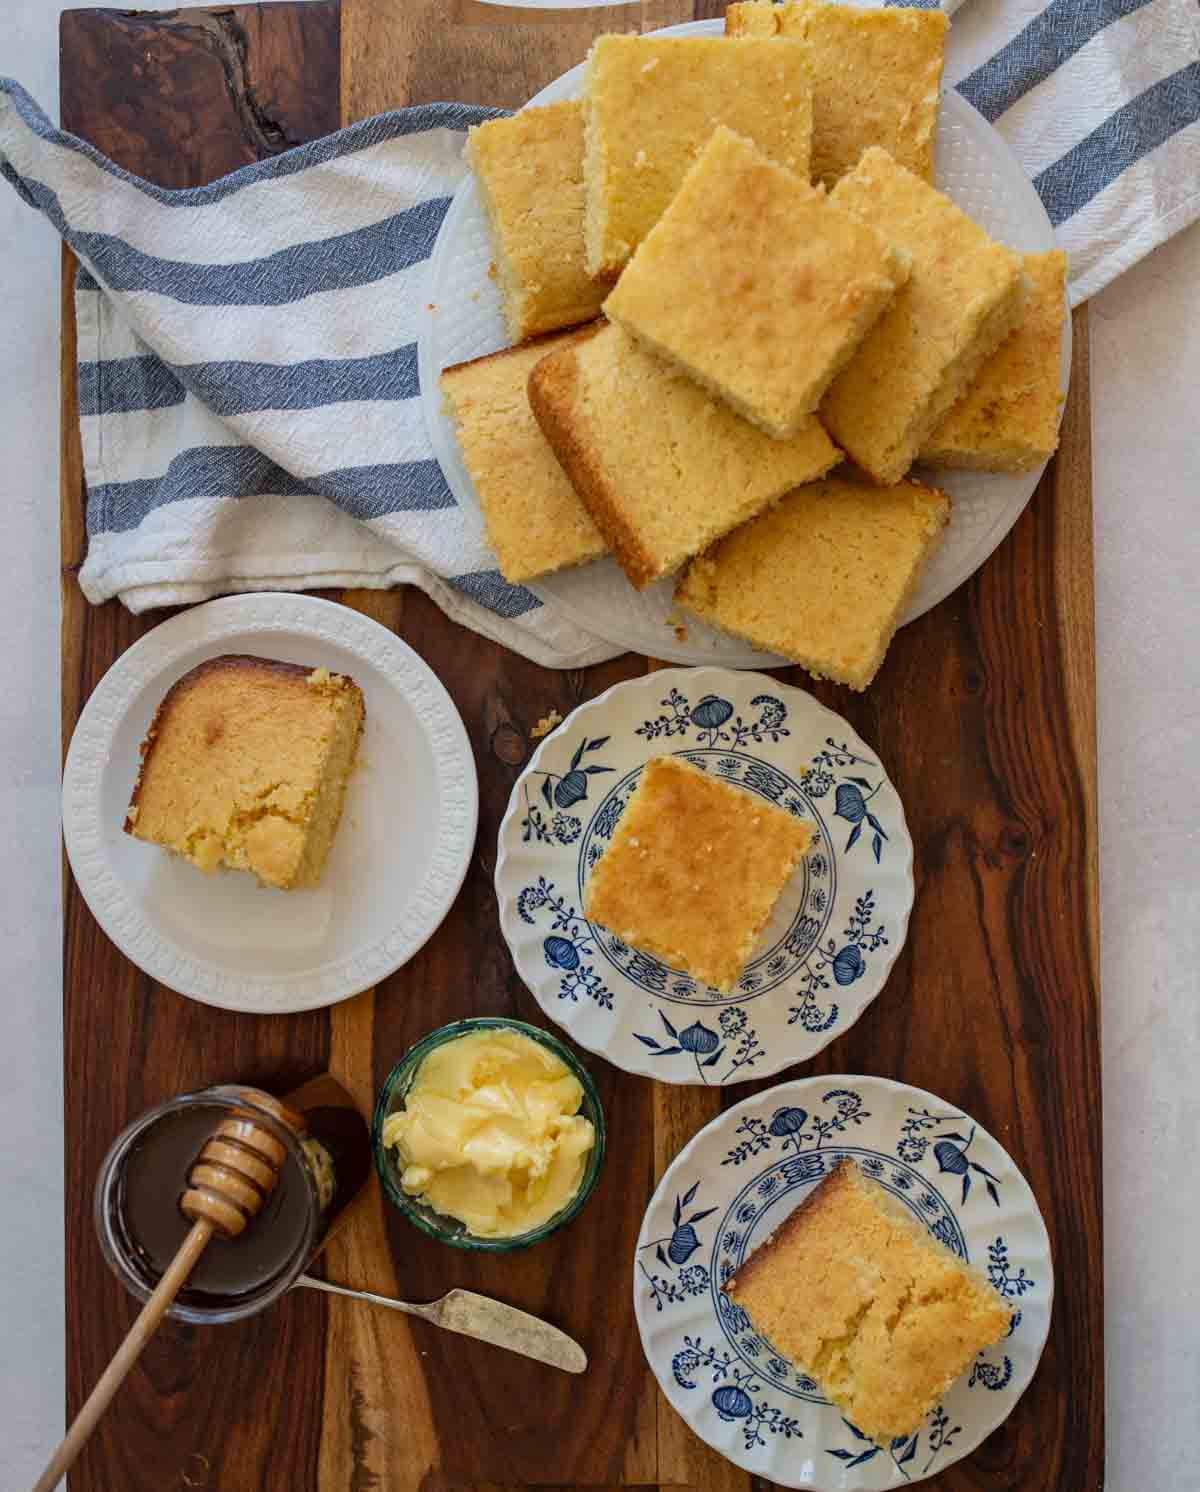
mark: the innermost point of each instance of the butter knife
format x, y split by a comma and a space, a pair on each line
481, 1317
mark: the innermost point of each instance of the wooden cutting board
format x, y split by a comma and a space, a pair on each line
984, 713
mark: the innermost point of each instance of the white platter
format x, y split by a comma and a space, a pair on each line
732, 1186
838, 927
397, 863
462, 320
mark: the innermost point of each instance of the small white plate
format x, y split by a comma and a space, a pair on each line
836, 930
397, 863
733, 1185
462, 320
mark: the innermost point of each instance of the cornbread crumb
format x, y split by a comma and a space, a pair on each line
245, 766
529, 169
1008, 419
662, 467
857, 1294
963, 297
662, 888
823, 576
876, 75
535, 521
770, 264
672, 92
545, 725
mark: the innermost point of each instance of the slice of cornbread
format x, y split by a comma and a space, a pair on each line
245, 765
535, 521
876, 75
694, 870
963, 297
856, 1293
823, 576
782, 284
529, 169
650, 105
663, 468
1008, 419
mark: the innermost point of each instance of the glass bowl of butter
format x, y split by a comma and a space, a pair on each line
488, 1134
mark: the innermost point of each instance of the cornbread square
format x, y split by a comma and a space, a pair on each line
694, 869
245, 765
650, 105
963, 297
782, 285
876, 75
858, 1295
535, 521
662, 467
529, 170
823, 576
1008, 419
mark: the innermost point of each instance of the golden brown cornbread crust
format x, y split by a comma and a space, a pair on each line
228, 663
663, 468
771, 265
529, 171
1008, 418
965, 293
860, 551
693, 870
858, 1295
876, 76
650, 105
552, 389
245, 765
534, 518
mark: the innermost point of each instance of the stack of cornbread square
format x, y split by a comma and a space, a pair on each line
774, 286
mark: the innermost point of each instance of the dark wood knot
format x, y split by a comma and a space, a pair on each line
508, 744
1014, 842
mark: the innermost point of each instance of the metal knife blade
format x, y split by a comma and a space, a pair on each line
504, 1326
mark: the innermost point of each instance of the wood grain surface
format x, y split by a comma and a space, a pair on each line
984, 713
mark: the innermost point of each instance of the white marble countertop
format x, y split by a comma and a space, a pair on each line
1145, 373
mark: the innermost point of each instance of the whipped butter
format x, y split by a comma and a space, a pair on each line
491, 1133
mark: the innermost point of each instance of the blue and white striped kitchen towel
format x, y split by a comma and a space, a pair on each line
248, 385
1100, 100
248, 391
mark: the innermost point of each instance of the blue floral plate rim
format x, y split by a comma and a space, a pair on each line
835, 935
729, 1385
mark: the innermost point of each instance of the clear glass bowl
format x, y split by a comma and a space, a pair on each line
128, 1260
449, 1229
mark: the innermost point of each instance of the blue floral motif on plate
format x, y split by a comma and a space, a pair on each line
835, 933
732, 1187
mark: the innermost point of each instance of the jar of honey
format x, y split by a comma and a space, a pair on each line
145, 1172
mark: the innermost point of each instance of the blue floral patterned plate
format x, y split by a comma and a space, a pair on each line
836, 930
733, 1185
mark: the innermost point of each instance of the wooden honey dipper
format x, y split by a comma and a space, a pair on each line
228, 1184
